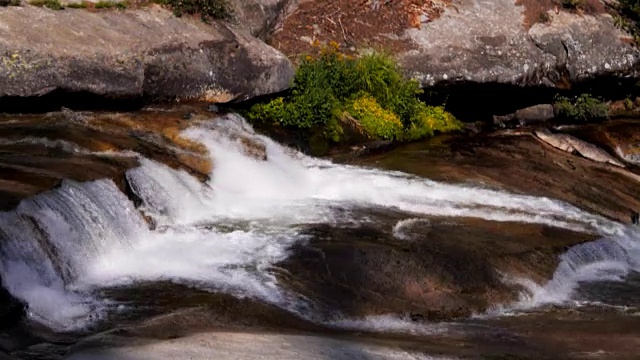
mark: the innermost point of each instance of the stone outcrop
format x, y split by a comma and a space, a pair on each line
486, 41
531, 115
131, 54
572, 144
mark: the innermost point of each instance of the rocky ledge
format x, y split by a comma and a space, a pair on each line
146, 52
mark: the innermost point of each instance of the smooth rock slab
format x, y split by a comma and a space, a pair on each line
225, 345
485, 41
572, 144
147, 52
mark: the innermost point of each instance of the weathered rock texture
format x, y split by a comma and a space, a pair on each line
572, 144
260, 17
485, 41
478, 41
147, 52
38, 152
531, 115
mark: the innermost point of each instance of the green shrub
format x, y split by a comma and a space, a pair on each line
80, 5
632, 7
627, 17
4, 3
431, 119
584, 108
377, 122
51, 4
208, 9
370, 89
106, 4
628, 104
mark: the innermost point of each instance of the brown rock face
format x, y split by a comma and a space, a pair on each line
448, 269
38, 152
147, 52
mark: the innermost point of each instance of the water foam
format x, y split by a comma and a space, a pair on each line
295, 185
225, 234
389, 324
51, 240
403, 229
607, 259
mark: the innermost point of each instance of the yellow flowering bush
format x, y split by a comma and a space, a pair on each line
377, 122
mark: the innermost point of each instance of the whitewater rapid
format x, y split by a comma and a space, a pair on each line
63, 245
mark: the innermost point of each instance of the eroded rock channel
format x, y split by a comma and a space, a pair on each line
256, 237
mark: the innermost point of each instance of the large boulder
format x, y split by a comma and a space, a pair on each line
472, 41
126, 54
532, 115
486, 41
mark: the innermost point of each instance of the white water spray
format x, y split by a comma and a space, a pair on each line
225, 235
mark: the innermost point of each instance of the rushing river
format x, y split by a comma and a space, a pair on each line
63, 248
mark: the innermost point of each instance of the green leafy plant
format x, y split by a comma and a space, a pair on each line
628, 104
79, 5
627, 17
208, 9
106, 4
377, 122
4, 3
330, 89
584, 108
51, 4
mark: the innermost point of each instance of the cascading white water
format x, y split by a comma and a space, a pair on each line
611, 258
225, 234
51, 240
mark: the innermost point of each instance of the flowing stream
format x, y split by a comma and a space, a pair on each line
62, 246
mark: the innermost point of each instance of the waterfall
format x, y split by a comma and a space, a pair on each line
60, 246
51, 240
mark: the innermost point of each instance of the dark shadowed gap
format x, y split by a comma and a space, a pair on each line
57, 99
470, 101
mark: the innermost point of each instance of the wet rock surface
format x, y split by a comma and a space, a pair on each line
516, 161
436, 269
572, 145
444, 269
38, 151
